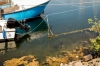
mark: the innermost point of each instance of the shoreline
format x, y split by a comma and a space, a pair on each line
77, 57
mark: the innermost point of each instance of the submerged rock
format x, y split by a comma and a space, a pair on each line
88, 57
69, 56
23, 61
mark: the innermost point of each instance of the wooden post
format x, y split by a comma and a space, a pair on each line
0, 14
1, 11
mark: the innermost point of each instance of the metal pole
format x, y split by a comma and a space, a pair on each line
0, 13
9, 1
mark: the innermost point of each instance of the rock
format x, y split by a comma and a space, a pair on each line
23, 61
65, 64
88, 57
85, 63
98, 64
61, 64
79, 63
29, 59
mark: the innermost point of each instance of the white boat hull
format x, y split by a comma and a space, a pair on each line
26, 10
6, 33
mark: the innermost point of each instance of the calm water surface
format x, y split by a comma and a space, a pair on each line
63, 16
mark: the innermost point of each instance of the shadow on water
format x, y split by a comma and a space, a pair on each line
7, 46
37, 25
74, 19
34, 22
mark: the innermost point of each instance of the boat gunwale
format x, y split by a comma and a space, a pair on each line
23, 9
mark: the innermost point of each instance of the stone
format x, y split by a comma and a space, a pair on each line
88, 57
85, 63
78, 64
65, 64
23, 61
61, 64
98, 64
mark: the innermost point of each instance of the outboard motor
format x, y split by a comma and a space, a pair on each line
12, 23
25, 27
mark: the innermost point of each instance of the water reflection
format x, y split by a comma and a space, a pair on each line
7, 46
38, 28
81, 7
69, 21
95, 7
40, 31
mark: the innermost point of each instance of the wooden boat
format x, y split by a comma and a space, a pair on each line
23, 9
5, 32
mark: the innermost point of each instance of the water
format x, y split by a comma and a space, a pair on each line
73, 15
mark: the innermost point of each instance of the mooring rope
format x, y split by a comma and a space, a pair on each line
76, 31
63, 3
49, 29
62, 12
52, 35
66, 3
35, 27
68, 11
78, 3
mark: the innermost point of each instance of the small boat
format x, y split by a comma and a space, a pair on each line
6, 33
22, 9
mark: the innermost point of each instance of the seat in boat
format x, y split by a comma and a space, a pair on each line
1, 3
10, 9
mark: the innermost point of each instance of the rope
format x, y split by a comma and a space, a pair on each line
66, 3
24, 14
35, 27
49, 29
63, 3
53, 35
69, 11
78, 3
62, 12
76, 31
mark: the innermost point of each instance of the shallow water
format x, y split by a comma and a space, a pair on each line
70, 16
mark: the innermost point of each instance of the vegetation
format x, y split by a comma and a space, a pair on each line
95, 27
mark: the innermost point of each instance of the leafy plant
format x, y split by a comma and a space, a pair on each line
95, 27
95, 44
96, 24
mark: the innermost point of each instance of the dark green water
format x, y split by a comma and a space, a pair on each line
73, 15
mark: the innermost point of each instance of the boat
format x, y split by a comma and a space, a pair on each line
6, 33
22, 9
